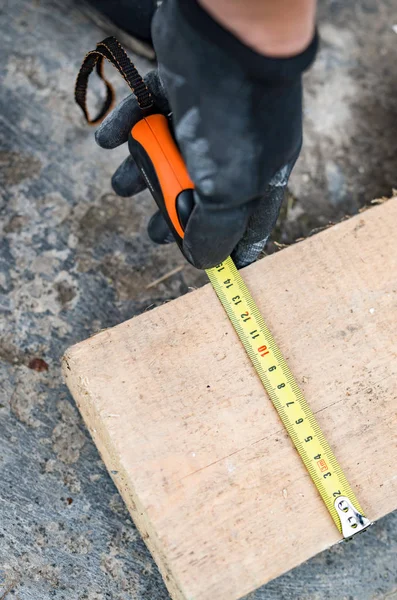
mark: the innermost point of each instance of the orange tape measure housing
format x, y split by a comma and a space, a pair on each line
154, 135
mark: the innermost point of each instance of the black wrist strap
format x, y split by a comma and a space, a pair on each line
111, 50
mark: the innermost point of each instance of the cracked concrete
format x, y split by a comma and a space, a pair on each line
74, 259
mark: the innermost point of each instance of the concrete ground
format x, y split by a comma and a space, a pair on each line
76, 259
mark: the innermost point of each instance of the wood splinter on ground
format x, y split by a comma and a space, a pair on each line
199, 454
165, 276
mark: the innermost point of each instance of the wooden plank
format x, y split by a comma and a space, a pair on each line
193, 444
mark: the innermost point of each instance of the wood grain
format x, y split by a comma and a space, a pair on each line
192, 441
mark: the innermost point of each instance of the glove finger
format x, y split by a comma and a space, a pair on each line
127, 180
114, 130
211, 235
263, 219
158, 230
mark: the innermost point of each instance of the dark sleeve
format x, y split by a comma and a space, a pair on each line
257, 65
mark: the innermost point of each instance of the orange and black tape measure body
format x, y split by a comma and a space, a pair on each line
161, 164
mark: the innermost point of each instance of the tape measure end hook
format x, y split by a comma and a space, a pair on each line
352, 521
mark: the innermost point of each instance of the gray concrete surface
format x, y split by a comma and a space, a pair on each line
75, 259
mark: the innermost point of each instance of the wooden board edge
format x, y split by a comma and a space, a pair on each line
79, 388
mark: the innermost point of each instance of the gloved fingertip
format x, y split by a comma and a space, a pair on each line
127, 180
108, 136
211, 236
203, 262
158, 230
101, 138
115, 128
126, 192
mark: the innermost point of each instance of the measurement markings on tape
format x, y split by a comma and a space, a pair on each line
288, 399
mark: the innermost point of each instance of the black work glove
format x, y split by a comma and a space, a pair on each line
237, 117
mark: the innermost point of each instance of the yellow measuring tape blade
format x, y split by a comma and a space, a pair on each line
288, 399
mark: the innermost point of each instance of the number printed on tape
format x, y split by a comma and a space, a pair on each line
281, 387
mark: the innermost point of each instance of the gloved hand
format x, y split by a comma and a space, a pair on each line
237, 118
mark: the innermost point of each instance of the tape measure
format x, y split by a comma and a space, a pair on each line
155, 152
288, 399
